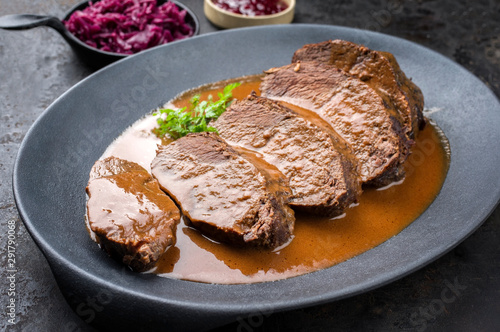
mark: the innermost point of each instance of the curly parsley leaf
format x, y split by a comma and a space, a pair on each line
179, 122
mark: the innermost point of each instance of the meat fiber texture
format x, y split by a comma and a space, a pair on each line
323, 180
352, 108
131, 217
229, 197
379, 70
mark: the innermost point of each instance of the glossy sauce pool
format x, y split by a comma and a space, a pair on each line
318, 242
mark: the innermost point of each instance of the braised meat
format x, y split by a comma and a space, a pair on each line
230, 196
132, 218
323, 180
352, 108
379, 70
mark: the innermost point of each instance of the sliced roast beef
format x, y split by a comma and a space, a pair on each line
356, 112
228, 195
323, 180
379, 70
132, 218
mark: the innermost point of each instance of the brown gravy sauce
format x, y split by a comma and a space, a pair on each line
318, 242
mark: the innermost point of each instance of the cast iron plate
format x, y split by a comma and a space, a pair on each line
53, 164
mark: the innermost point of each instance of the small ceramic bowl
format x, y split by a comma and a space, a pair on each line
94, 57
227, 20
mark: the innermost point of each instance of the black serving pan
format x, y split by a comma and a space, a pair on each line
52, 168
92, 56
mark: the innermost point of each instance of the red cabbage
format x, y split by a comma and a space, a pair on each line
128, 26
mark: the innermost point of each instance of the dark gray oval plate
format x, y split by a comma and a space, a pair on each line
53, 164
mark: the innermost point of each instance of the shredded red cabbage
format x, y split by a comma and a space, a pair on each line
128, 26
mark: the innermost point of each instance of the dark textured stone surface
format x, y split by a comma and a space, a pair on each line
458, 292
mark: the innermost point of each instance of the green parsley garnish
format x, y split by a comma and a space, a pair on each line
179, 122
